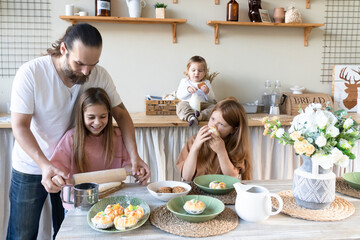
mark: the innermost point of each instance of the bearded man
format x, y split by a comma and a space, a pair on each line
43, 97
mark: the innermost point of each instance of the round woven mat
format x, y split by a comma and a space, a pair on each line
228, 198
162, 218
338, 210
344, 188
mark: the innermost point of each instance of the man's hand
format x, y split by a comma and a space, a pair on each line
140, 170
48, 172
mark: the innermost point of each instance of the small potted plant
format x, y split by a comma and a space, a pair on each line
160, 10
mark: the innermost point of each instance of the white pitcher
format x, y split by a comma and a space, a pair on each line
253, 203
135, 7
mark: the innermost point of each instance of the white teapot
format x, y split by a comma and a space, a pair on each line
253, 203
135, 7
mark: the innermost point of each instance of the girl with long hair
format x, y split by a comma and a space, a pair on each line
94, 144
221, 147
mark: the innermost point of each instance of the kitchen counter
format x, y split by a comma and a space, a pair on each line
142, 120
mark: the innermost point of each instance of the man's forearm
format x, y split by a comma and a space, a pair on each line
28, 143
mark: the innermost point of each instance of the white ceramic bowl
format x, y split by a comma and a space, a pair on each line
153, 188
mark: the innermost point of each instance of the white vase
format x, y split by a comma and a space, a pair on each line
313, 186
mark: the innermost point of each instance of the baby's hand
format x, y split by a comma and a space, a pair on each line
205, 89
192, 90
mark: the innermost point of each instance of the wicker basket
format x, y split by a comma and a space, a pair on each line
161, 107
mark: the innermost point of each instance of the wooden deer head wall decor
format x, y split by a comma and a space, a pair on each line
346, 81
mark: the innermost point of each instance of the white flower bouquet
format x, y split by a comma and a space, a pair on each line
322, 134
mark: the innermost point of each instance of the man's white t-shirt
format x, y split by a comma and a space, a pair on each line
38, 90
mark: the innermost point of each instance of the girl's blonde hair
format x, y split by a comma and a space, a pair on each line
197, 59
91, 96
237, 143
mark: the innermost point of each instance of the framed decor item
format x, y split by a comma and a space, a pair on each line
345, 86
265, 16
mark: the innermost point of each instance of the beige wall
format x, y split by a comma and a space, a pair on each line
143, 60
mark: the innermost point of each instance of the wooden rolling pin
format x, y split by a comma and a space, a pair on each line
104, 176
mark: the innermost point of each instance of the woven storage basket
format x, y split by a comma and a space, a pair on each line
291, 103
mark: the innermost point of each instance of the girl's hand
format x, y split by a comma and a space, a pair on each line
192, 89
217, 144
205, 89
202, 136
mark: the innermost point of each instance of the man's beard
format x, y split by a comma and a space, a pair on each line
76, 79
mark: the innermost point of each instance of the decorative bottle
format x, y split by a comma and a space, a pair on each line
102, 8
232, 11
254, 14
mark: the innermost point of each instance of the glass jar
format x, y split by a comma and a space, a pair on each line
102, 8
254, 14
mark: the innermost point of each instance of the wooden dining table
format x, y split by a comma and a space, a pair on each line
280, 226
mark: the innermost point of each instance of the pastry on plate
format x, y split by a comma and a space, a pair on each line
217, 185
102, 221
114, 210
134, 211
178, 189
123, 222
194, 206
214, 130
164, 190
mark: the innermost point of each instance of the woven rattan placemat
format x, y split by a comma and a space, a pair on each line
338, 210
228, 198
162, 218
344, 188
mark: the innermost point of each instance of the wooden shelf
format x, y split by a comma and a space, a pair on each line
307, 27
173, 22
217, 2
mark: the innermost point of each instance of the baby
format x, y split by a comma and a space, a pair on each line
195, 82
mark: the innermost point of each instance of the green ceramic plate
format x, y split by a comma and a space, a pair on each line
124, 201
213, 208
353, 179
203, 183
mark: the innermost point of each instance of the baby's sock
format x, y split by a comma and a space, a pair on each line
193, 121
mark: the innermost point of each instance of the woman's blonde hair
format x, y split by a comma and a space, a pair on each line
237, 143
91, 96
197, 59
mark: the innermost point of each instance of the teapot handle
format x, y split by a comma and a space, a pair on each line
142, 3
281, 203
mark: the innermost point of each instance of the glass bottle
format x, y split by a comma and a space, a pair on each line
275, 101
254, 14
266, 97
232, 11
102, 8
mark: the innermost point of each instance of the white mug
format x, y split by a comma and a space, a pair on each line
69, 10
253, 203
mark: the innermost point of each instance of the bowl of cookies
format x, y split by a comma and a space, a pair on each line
216, 183
166, 190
